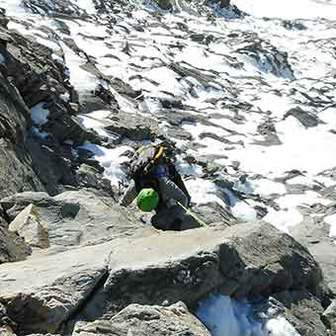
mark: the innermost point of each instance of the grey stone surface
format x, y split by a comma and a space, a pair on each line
100, 280
29, 226
62, 283
315, 236
136, 128
304, 312
241, 261
86, 261
141, 320
329, 317
73, 218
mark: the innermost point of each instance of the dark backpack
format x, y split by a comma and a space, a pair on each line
145, 159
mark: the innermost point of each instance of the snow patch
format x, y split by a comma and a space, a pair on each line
299, 146
279, 326
244, 212
289, 215
39, 114
288, 9
331, 220
225, 316
95, 120
203, 191
13, 7
267, 187
87, 5
284, 219
83, 81
110, 159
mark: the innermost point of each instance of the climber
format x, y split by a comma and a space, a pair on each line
156, 185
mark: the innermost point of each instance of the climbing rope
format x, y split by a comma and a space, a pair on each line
192, 214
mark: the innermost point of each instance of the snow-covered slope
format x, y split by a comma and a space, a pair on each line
286, 9
248, 97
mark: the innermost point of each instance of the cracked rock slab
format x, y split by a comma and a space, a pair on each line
240, 261
146, 320
168, 267
41, 293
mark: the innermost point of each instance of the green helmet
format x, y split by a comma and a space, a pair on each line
148, 199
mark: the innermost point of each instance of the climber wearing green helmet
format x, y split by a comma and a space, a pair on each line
148, 199
156, 185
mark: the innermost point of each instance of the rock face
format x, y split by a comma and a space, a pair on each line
135, 128
241, 261
94, 281
316, 238
33, 153
15, 162
141, 320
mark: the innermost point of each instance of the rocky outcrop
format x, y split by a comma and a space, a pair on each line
136, 128
181, 4
304, 312
34, 82
315, 235
15, 162
56, 7
89, 282
12, 246
62, 283
241, 261
165, 4
96, 281
141, 320
73, 218
305, 118
71, 260
266, 56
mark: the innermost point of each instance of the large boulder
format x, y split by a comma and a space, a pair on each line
88, 282
43, 292
134, 127
240, 261
146, 320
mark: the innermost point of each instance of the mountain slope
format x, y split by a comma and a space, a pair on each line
247, 100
